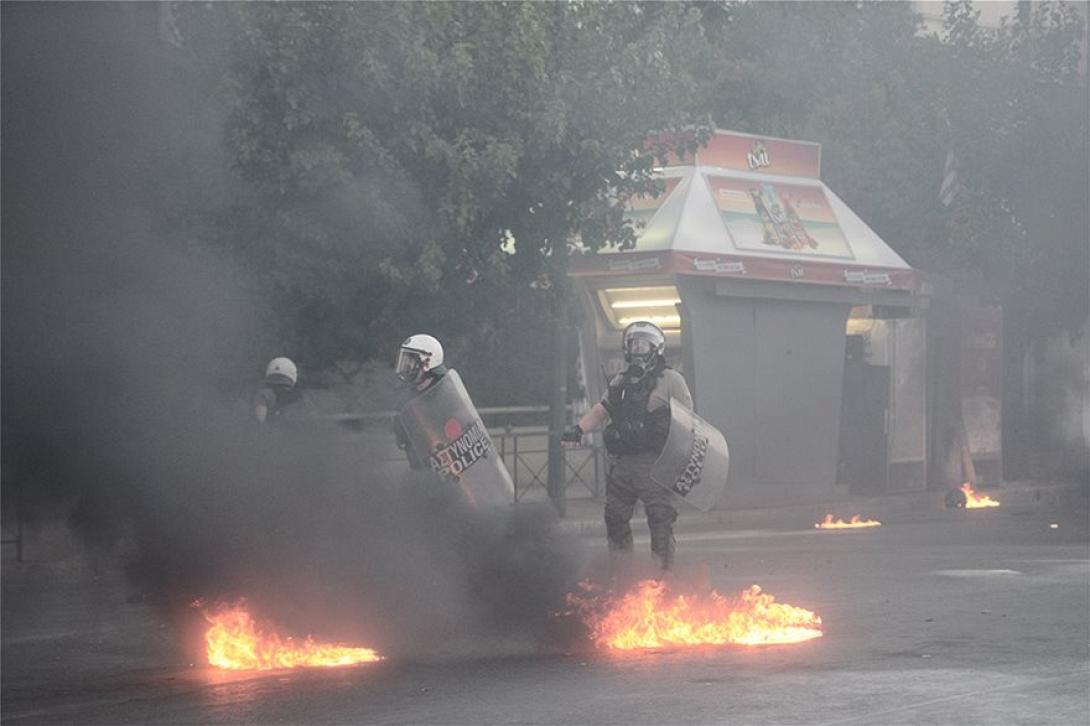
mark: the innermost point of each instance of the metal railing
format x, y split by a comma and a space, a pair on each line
524, 450
525, 453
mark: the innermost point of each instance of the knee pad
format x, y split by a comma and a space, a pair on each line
618, 531
658, 515
618, 513
615, 523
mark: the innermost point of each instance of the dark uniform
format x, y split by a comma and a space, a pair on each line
276, 399
639, 411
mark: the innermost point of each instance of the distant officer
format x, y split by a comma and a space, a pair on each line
637, 408
278, 391
440, 429
419, 366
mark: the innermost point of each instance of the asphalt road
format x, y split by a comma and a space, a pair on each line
956, 617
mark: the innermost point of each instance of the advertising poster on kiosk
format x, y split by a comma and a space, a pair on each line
764, 216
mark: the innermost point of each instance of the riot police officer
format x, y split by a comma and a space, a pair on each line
637, 409
419, 366
439, 428
278, 390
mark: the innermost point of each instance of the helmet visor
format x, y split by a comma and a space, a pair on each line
409, 365
639, 345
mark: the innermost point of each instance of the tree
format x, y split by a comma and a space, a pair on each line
856, 78
390, 151
1017, 111
1018, 122
888, 103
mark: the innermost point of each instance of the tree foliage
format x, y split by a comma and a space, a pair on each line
393, 151
1018, 123
411, 166
888, 102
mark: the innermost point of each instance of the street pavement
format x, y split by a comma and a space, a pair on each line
945, 617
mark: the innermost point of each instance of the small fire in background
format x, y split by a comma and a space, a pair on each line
854, 523
234, 641
649, 616
976, 501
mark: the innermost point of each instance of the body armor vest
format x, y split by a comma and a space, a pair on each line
632, 429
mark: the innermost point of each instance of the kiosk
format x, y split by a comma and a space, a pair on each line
766, 285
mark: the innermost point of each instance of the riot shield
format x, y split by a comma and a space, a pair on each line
446, 431
695, 460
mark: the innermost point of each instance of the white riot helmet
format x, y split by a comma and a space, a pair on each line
281, 372
419, 355
642, 342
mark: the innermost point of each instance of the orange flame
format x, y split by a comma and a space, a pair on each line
235, 642
855, 522
647, 617
976, 501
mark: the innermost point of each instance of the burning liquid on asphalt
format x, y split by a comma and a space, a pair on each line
234, 641
649, 616
854, 523
976, 501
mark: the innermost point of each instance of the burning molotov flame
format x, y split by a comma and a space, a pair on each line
974, 500
234, 641
854, 523
648, 616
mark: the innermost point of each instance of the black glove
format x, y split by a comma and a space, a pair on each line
572, 435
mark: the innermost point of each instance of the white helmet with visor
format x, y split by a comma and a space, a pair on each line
419, 355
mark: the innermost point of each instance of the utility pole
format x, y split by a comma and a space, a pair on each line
558, 390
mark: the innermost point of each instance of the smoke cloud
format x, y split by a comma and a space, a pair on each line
125, 352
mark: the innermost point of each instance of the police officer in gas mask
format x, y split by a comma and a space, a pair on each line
636, 411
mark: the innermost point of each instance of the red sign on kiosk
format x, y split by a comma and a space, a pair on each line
763, 154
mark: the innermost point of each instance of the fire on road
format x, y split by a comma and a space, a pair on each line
235, 642
651, 616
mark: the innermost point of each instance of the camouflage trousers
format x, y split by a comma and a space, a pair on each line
629, 480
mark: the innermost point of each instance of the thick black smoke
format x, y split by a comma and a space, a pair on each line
123, 347
114, 332
297, 520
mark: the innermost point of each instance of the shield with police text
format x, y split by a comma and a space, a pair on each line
695, 460
446, 431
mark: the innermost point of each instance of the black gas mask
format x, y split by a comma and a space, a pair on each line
643, 343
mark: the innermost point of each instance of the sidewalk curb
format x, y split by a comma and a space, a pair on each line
1015, 497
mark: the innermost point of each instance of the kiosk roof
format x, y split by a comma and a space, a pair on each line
749, 206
